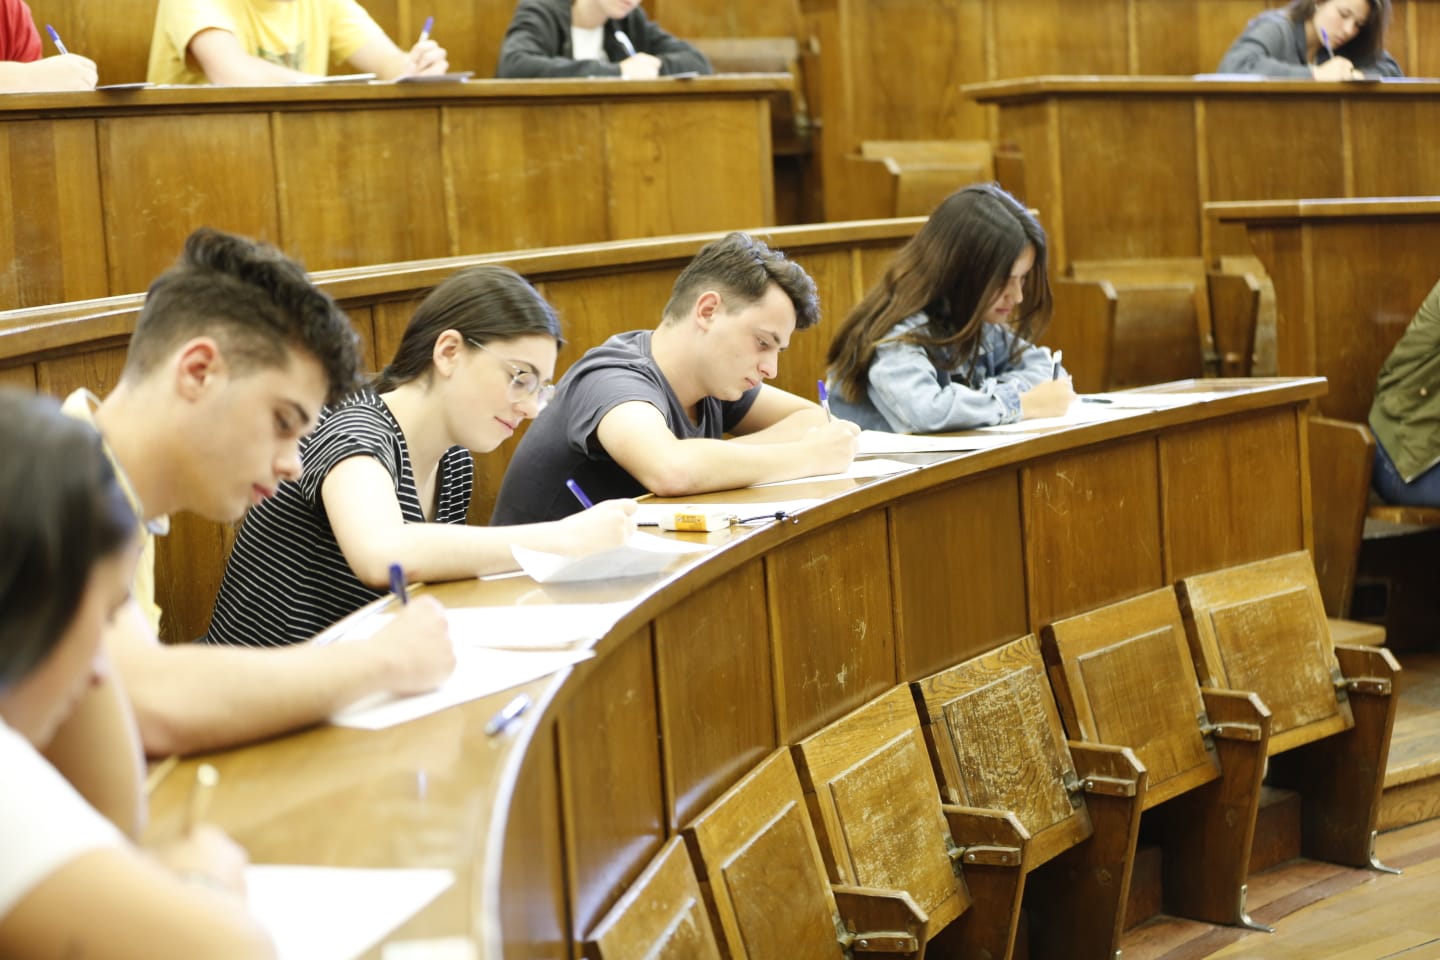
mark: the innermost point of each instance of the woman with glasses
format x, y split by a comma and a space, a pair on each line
388, 474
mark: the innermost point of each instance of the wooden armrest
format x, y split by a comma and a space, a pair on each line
888, 921
1107, 769
1236, 715
1367, 670
990, 837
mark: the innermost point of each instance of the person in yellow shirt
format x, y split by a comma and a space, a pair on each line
249, 42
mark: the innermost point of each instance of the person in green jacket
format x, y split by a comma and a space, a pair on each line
1405, 416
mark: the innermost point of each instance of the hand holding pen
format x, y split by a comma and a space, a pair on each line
68, 71
1334, 67
636, 66
427, 56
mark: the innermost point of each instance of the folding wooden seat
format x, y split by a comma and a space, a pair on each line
1122, 675
758, 854
877, 812
997, 745
661, 917
1261, 627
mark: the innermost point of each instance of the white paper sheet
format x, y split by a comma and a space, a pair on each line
1077, 414
877, 441
479, 672
650, 513
519, 626
1149, 401
644, 555
859, 470
336, 913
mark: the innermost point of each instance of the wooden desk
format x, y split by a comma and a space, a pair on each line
1349, 276
760, 641
1121, 167
100, 189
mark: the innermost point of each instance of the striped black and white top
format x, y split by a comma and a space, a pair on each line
286, 579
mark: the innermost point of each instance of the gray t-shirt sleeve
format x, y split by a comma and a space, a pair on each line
601, 390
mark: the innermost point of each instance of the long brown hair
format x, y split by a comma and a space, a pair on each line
953, 269
1368, 44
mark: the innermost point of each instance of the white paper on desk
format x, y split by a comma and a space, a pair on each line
643, 555
859, 470
479, 672
647, 514
1150, 401
336, 913
878, 441
1077, 414
538, 626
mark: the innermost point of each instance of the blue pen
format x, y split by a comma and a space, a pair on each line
56, 38
425, 30
824, 398
397, 583
579, 494
1325, 39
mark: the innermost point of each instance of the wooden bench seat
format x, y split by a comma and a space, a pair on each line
661, 917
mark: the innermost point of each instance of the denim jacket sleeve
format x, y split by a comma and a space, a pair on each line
914, 396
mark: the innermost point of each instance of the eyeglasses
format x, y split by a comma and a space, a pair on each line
524, 381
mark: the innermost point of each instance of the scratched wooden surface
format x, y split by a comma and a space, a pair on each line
757, 847
1262, 627
661, 917
1123, 676
878, 804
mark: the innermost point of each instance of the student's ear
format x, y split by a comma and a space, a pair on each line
199, 366
446, 352
707, 308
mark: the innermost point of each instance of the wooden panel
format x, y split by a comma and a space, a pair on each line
758, 850
532, 899
1100, 660
1078, 508
52, 245
383, 168
1342, 456
1182, 38
154, 200
614, 810
941, 618
712, 651
886, 61
593, 308
1034, 36
656, 154
997, 736
509, 187
20, 378
663, 917
1246, 167
1405, 167
1261, 627
1362, 309
877, 806
1232, 493
1098, 144
725, 18
115, 35
836, 650
1425, 59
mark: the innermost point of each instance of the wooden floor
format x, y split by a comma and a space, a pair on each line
1325, 912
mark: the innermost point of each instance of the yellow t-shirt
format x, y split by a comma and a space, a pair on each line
304, 35
81, 405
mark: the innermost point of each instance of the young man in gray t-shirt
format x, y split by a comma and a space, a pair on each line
648, 410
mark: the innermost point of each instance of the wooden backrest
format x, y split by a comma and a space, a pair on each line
1157, 337
661, 917
1341, 457
877, 807
1261, 627
955, 153
997, 742
1122, 675
1084, 328
789, 110
1234, 315
757, 850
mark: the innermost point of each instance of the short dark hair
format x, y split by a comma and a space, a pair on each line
741, 268
61, 511
255, 301
482, 304
1368, 45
